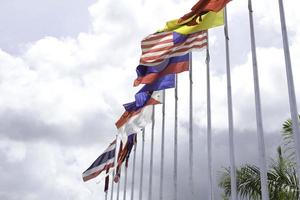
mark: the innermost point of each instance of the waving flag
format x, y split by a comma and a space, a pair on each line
160, 46
124, 154
144, 94
104, 162
165, 82
201, 8
135, 120
173, 65
195, 24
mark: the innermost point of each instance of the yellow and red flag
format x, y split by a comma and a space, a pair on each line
205, 14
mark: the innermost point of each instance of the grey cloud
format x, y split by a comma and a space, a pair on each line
27, 126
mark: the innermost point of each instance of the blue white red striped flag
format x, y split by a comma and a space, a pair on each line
104, 162
173, 65
165, 82
159, 46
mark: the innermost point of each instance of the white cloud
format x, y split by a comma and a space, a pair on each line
71, 90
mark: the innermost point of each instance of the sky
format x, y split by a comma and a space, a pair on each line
66, 68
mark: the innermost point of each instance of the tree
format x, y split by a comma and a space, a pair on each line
282, 178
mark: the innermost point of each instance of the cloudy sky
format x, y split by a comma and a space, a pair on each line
66, 68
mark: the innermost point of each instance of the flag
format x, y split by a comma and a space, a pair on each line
158, 47
104, 162
144, 94
173, 65
106, 184
124, 154
202, 7
134, 121
118, 170
196, 24
165, 82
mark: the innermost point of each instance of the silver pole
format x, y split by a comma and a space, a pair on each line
230, 115
125, 184
191, 182
118, 187
259, 120
162, 148
175, 138
113, 174
142, 167
151, 155
291, 87
106, 195
112, 186
133, 171
209, 132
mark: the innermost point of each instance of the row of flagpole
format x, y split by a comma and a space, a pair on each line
259, 122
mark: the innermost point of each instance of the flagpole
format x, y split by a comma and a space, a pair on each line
230, 115
175, 138
142, 167
209, 132
191, 127
151, 155
162, 147
259, 120
291, 87
133, 170
118, 187
125, 183
113, 174
112, 186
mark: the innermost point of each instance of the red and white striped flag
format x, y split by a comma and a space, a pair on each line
160, 46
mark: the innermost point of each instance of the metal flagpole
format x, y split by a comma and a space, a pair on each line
191, 128
125, 184
291, 87
209, 132
112, 186
133, 170
113, 174
259, 121
162, 147
118, 187
175, 138
142, 167
151, 155
106, 195
230, 115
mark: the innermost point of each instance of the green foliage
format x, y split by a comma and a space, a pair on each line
282, 178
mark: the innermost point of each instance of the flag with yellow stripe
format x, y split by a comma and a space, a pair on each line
195, 24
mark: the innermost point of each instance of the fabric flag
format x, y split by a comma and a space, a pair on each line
118, 170
144, 94
165, 82
135, 120
104, 162
106, 181
207, 21
201, 8
158, 47
173, 65
124, 154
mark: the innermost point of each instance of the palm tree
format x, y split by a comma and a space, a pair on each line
288, 139
282, 178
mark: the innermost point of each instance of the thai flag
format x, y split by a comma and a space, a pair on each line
173, 65
160, 46
104, 162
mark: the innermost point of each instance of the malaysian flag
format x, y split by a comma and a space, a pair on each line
104, 162
160, 46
